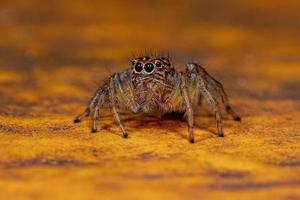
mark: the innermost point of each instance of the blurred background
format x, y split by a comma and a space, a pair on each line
54, 54
231, 38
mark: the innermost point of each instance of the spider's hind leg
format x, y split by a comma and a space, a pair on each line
220, 89
230, 111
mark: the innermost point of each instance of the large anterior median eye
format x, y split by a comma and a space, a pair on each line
149, 67
138, 67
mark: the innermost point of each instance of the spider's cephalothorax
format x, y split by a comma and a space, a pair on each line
151, 84
151, 81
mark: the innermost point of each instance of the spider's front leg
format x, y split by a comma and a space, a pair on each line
188, 106
114, 107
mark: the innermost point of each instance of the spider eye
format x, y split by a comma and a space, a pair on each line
133, 62
158, 64
138, 67
149, 67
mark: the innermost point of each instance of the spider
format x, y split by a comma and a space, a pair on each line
151, 84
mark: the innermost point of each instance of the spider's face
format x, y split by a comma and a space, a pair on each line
147, 66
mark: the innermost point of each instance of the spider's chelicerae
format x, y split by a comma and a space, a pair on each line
151, 84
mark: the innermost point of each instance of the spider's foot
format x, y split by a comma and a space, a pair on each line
192, 140
93, 130
125, 135
76, 120
238, 119
221, 134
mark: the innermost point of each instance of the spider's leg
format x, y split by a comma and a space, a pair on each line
197, 74
93, 103
93, 108
114, 107
214, 86
82, 115
189, 109
215, 105
95, 119
200, 100
226, 103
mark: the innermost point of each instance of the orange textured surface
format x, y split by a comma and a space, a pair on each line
54, 56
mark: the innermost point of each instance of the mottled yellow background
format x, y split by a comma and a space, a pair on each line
53, 54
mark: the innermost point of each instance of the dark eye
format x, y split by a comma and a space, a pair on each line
138, 67
149, 67
158, 64
133, 62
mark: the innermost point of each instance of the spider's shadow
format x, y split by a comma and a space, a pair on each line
168, 122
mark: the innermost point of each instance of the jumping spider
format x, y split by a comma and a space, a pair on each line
152, 84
